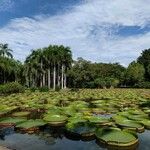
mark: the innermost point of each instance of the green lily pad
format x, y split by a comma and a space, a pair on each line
31, 124
21, 114
55, 120
116, 137
83, 129
146, 123
4, 122
99, 120
130, 124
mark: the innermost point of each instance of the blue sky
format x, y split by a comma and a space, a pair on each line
97, 30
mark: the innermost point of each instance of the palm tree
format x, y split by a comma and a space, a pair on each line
5, 51
66, 63
42, 63
48, 60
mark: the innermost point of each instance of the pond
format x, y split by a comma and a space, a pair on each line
61, 121
53, 139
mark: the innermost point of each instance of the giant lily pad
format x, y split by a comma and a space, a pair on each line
30, 125
146, 123
6, 122
99, 120
21, 114
114, 137
84, 130
55, 120
125, 123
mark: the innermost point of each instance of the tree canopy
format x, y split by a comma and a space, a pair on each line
53, 67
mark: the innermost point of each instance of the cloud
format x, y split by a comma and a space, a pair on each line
6, 5
89, 29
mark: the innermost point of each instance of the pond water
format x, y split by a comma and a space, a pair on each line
56, 140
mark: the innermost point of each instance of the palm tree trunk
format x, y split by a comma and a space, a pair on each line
62, 76
41, 81
49, 78
30, 80
58, 77
41, 77
65, 81
54, 77
44, 79
27, 81
4, 79
33, 80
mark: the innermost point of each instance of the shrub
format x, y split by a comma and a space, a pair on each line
143, 85
12, 87
33, 89
43, 89
100, 82
74, 90
57, 89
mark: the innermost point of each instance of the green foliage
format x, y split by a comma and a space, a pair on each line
85, 74
116, 136
57, 89
13, 87
43, 89
144, 59
135, 73
31, 124
144, 84
33, 89
99, 82
10, 70
106, 82
148, 70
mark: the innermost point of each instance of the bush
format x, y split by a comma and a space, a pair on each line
100, 82
44, 89
57, 89
74, 90
12, 87
106, 82
143, 85
33, 89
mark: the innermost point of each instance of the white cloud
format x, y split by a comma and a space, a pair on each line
88, 29
6, 5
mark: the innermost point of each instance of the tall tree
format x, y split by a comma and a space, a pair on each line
144, 59
5, 51
135, 73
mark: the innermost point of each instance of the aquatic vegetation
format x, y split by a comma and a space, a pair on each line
146, 123
79, 113
115, 137
55, 120
6, 122
83, 130
30, 126
99, 121
21, 114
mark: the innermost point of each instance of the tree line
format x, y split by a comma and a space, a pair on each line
53, 67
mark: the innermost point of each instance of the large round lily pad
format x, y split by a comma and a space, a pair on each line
7, 122
83, 130
114, 137
31, 125
55, 120
21, 114
146, 123
99, 120
130, 125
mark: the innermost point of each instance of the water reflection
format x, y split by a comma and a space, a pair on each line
144, 140
54, 139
